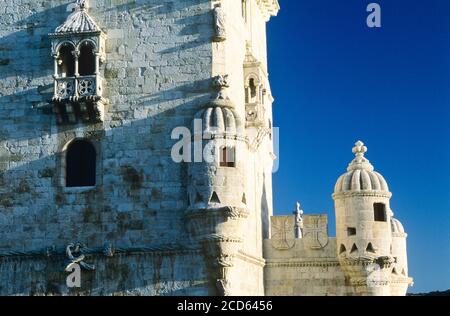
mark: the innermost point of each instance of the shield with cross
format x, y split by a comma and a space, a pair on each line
315, 231
283, 233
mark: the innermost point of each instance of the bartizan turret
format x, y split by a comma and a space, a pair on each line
216, 190
370, 242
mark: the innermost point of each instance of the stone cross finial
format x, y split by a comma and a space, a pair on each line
360, 162
359, 150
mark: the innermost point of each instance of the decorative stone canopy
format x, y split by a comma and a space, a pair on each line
360, 175
79, 21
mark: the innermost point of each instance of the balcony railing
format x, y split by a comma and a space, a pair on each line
79, 99
74, 88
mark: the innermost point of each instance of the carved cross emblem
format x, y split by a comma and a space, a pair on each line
283, 232
315, 231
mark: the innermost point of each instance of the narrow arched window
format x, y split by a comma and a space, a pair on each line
66, 61
253, 90
86, 61
80, 164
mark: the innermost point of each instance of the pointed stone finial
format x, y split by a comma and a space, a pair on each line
359, 150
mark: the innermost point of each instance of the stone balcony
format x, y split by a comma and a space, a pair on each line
79, 99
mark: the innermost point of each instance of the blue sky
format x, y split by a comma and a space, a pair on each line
336, 81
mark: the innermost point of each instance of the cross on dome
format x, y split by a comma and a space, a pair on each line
360, 162
359, 150
361, 176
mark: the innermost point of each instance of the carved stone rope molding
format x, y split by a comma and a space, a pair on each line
107, 251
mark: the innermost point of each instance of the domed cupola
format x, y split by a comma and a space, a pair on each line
363, 226
397, 228
219, 118
360, 177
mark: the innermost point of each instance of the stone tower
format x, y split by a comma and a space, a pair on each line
371, 245
230, 200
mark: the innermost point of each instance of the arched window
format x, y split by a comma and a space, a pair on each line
80, 164
86, 61
66, 61
227, 157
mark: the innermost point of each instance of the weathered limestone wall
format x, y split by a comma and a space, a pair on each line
158, 69
144, 274
358, 212
228, 57
301, 271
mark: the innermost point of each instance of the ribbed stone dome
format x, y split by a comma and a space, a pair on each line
360, 175
79, 21
220, 120
397, 227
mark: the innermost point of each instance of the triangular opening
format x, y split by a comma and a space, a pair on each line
354, 248
214, 198
394, 271
342, 249
198, 198
244, 199
370, 248
403, 272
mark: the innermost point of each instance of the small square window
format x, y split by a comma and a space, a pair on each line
351, 231
379, 212
227, 157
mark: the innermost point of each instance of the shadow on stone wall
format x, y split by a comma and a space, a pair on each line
36, 210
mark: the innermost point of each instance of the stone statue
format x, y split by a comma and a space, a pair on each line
219, 23
298, 221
